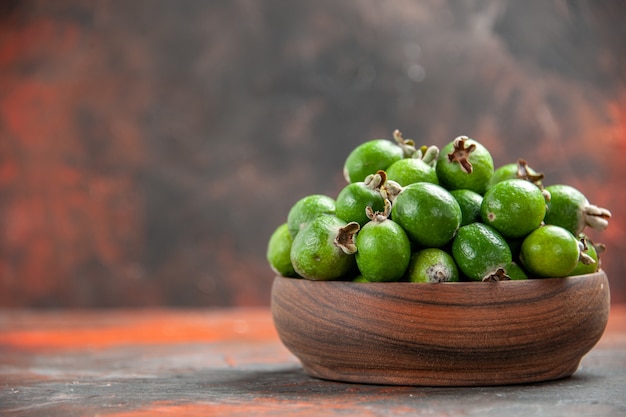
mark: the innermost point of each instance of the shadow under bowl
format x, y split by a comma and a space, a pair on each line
448, 334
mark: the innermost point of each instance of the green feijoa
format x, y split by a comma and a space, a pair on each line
513, 207
370, 157
410, 170
469, 202
432, 265
550, 251
355, 197
480, 251
307, 209
519, 170
465, 164
420, 167
279, 252
428, 213
383, 249
570, 209
324, 249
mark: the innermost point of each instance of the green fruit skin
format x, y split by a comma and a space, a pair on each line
513, 207
469, 202
411, 170
279, 252
314, 254
565, 208
550, 252
505, 172
370, 157
383, 251
432, 265
452, 177
479, 250
428, 213
307, 209
353, 199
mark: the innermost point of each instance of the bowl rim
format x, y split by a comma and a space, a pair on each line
530, 281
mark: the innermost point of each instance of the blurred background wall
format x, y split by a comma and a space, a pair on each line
149, 148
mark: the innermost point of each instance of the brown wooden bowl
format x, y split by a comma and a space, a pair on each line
448, 334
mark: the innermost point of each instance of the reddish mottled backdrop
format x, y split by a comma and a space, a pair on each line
149, 148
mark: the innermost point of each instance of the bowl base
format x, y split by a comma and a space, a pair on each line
438, 379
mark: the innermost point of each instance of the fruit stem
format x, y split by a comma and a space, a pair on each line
377, 216
498, 275
583, 257
428, 154
390, 190
461, 154
524, 172
407, 145
376, 181
345, 238
596, 217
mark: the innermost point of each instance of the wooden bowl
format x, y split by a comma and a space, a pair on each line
448, 334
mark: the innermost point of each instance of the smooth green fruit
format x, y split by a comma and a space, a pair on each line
470, 203
383, 250
428, 213
370, 157
479, 251
324, 249
513, 207
307, 209
550, 251
465, 164
411, 170
570, 209
355, 197
432, 265
279, 252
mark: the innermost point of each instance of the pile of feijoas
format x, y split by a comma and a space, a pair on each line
424, 214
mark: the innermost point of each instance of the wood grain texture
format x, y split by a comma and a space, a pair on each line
455, 334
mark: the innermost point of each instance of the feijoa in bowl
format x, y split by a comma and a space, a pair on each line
446, 334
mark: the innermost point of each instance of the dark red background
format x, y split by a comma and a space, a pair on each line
149, 148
